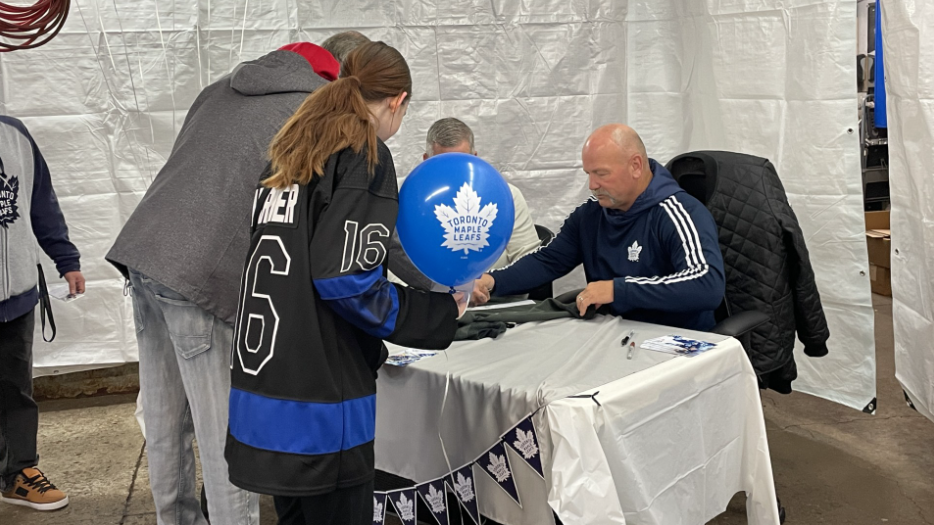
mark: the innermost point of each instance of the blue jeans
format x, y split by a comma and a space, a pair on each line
184, 376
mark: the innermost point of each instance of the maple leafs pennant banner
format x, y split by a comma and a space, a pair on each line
436, 497
523, 439
379, 508
495, 463
462, 483
404, 503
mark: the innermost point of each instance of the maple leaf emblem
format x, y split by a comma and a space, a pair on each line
9, 190
377, 511
464, 488
525, 443
498, 467
466, 226
406, 510
435, 499
634, 251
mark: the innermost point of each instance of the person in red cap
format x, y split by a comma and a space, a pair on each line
321, 61
183, 251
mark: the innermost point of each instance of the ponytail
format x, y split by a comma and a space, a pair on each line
336, 116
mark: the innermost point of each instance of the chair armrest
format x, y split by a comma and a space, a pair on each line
738, 324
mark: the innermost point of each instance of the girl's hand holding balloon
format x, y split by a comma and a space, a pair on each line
462, 297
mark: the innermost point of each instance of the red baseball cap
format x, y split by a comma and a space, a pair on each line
324, 64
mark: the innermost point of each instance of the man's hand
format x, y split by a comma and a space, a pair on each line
75, 282
597, 293
481, 293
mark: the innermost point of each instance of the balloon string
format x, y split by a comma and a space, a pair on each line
447, 384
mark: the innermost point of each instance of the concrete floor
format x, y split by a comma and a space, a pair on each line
832, 464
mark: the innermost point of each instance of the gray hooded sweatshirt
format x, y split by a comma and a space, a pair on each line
191, 230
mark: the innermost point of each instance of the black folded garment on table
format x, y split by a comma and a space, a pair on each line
478, 324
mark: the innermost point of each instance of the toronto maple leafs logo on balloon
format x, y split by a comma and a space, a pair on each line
9, 189
466, 226
456, 215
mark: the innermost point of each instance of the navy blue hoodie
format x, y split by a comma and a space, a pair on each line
662, 256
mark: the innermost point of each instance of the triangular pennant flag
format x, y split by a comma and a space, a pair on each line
404, 502
436, 497
379, 508
462, 483
495, 462
523, 439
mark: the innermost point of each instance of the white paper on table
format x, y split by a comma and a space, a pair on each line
409, 356
675, 345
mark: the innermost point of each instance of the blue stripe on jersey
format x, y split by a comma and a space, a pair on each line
344, 286
373, 309
298, 427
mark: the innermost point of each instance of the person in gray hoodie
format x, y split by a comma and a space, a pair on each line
183, 249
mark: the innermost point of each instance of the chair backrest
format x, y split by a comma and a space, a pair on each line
699, 174
546, 290
691, 173
544, 234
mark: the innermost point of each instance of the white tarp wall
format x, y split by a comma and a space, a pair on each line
908, 40
773, 78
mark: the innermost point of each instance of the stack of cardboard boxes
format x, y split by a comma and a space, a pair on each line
879, 243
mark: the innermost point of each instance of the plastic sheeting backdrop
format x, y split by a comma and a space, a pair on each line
772, 78
908, 34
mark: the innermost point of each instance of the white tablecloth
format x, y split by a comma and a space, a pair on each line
671, 441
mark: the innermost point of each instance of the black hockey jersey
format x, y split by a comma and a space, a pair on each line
314, 308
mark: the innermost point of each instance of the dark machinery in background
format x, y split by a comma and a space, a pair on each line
874, 142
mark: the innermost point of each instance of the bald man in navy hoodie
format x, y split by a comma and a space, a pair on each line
649, 250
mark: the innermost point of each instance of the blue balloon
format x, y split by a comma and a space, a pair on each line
456, 216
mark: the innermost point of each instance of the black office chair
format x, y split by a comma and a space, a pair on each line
740, 325
545, 291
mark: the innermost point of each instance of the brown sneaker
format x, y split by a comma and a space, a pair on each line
32, 489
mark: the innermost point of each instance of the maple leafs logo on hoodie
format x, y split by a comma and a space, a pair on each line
9, 191
634, 251
466, 225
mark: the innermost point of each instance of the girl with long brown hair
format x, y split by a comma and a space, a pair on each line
315, 304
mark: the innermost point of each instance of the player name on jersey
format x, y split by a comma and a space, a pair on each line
279, 205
